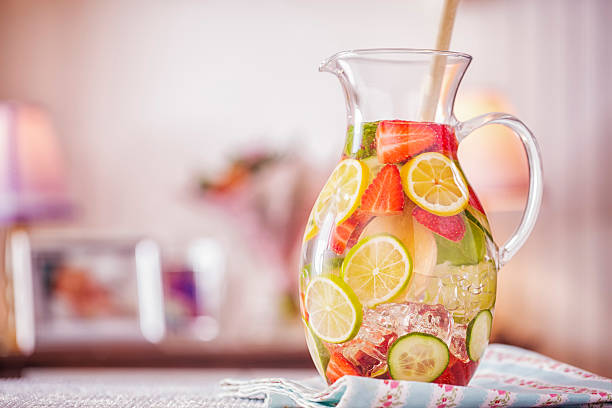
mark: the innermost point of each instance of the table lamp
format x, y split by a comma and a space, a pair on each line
32, 188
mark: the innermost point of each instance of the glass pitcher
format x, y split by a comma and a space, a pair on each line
398, 271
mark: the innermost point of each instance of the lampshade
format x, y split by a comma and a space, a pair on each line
32, 173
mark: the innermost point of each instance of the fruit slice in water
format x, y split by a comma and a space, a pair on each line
417, 357
457, 372
377, 268
318, 352
399, 140
478, 332
452, 228
342, 191
303, 283
367, 147
474, 201
435, 183
469, 251
338, 367
480, 220
445, 141
384, 196
334, 312
346, 234
311, 228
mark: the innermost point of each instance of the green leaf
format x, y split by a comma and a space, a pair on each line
367, 146
469, 251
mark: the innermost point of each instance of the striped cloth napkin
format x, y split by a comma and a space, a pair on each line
507, 377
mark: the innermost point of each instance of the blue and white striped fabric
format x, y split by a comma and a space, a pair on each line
507, 377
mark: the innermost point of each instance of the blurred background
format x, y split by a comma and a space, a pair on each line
159, 160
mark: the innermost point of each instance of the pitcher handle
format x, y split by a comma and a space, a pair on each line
534, 199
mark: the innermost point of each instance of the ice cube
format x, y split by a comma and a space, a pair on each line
457, 343
403, 318
383, 325
368, 350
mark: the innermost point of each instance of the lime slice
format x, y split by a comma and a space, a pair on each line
435, 183
417, 357
318, 351
477, 336
334, 312
342, 191
377, 268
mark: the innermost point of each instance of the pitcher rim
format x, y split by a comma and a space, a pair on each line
365, 52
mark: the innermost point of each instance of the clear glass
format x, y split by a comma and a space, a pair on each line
399, 268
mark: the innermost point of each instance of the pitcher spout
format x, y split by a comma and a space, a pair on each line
330, 65
391, 82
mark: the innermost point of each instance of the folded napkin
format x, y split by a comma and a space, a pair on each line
507, 377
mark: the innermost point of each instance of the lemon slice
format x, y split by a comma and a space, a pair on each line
377, 269
311, 228
342, 191
334, 312
435, 183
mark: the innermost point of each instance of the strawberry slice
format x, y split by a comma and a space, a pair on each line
457, 372
384, 196
338, 367
474, 201
452, 228
346, 234
445, 141
399, 140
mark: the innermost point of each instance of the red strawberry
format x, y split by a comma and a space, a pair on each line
474, 201
457, 372
452, 227
347, 233
384, 196
339, 367
399, 140
445, 140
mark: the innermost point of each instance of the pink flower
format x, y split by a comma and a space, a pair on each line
394, 384
387, 403
448, 388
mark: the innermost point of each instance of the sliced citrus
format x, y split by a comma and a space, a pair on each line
377, 269
334, 311
435, 183
342, 191
311, 228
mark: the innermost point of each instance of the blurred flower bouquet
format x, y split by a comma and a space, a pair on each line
268, 196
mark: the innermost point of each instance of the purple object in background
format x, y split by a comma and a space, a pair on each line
32, 173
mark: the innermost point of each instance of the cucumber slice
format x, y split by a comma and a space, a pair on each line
417, 357
318, 351
478, 332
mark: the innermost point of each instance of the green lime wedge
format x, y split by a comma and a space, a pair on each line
334, 311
